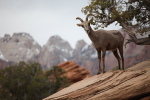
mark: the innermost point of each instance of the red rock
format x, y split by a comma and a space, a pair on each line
74, 72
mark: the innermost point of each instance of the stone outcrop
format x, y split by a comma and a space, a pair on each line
130, 84
73, 71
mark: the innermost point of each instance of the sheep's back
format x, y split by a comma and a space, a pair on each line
109, 39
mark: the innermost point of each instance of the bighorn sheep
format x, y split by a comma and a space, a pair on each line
104, 41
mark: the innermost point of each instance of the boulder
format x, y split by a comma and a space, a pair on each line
73, 71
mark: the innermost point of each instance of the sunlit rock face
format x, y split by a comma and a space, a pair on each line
73, 71
131, 84
19, 47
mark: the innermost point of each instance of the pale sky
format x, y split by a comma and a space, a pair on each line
44, 18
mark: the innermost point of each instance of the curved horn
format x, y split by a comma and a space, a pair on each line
88, 16
79, 19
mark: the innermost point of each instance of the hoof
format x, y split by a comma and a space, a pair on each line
103, 71
98, 73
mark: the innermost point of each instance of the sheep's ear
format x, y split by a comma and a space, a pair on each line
81, 25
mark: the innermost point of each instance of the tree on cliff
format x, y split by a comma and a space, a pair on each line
27, 81
128, 13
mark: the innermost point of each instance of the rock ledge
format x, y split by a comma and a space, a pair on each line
132, 83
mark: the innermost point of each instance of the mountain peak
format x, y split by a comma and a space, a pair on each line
57, 40
80, 44
56, 37
22, 34
54, 40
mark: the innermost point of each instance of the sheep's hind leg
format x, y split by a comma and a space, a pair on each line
118, 57
121, 54
103, 59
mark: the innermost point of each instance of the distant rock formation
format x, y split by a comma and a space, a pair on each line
131, 84
73, 71
54, 52
19, 47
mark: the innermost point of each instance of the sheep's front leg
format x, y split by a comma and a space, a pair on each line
99, 61
103, 59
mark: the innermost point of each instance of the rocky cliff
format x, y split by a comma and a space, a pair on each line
130, 84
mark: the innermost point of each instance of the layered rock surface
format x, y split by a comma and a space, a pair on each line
130, 84
73, 71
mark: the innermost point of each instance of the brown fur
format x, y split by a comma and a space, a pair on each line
105, 41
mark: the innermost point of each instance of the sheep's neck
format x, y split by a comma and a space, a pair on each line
91, 35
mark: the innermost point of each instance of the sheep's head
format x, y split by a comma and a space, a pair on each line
85, 24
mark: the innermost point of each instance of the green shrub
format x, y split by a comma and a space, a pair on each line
27, 81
